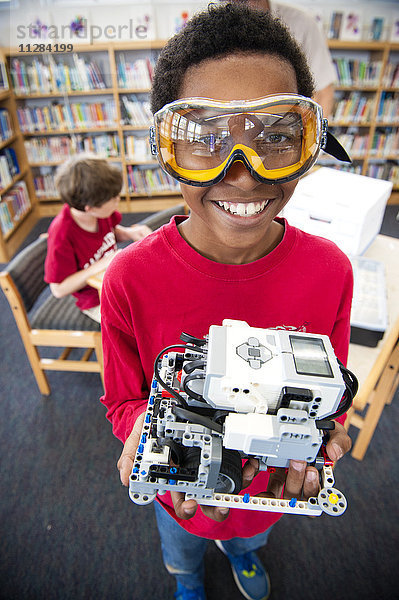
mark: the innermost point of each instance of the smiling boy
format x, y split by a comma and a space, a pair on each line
232, 128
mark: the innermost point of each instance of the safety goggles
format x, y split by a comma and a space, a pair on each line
278, 138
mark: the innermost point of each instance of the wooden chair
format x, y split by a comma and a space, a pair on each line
51, 323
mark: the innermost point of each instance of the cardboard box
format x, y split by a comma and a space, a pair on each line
343, 207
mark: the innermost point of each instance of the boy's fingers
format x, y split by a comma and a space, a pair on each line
295, 479
250, 469
126, 459
339, 442
311, 486
275, 484
184, 509
217, 514
125, 466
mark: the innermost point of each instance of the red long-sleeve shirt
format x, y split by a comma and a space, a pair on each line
158, 288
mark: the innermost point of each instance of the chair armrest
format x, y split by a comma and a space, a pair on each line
162, 217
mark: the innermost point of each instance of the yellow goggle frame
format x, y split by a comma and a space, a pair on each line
314, 137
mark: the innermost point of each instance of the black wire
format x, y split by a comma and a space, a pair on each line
197, 419
186, 337
352, 385
194, 364
191, 392
158, 377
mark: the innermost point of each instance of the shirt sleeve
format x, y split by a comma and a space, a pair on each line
61, 260
126, 392
116, 218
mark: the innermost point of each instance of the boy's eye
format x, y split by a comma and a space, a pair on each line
277, 141
275, 138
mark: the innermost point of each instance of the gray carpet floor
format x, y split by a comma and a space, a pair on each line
70, 532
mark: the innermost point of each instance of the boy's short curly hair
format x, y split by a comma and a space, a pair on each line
86, 180
219, 31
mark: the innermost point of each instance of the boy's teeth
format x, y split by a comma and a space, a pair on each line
244, 209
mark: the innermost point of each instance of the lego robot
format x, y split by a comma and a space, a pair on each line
241, 392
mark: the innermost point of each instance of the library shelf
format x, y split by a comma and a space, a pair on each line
17, 224
62, 93
113, 57
376, 97
93, 130
15, 180
8, 141
17, 199
119, 58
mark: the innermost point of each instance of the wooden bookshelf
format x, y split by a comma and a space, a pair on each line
372, 128
22, 223
108, 55
149, 200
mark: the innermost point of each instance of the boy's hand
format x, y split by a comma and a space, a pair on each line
138, 232
301, 481
185, 509
126, 459
102, 264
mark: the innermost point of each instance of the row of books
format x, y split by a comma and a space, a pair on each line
13, 206
388, 171
355, 107
388, 108
59, 148
5, 125
138, 148
9, 167
391, 75
140, 181
3, 77
385, 144
381, 145
137, 74
45, 186
80, 115
135, 112
352, 72
332, 164
43, 76
354, 143
149, 181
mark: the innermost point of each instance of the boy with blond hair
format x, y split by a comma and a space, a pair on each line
83, 236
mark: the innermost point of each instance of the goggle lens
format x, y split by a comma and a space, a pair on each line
276, 140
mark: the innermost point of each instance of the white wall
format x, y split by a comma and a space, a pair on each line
125, 19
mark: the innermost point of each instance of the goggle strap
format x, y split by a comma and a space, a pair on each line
333, 147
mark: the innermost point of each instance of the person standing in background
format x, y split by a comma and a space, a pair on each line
307, 33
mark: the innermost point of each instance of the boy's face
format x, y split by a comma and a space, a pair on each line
213, 229
105, 210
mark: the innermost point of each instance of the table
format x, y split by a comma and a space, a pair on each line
377, 368
96, 281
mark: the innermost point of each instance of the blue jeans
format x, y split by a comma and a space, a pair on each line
183, 552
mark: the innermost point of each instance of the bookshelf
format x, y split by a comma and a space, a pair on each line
366, 111
17, 195
96, 99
